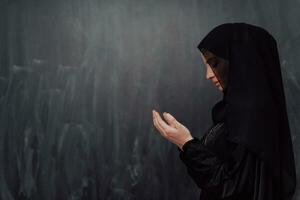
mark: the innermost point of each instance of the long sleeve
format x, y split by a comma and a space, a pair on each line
205, 166
219, 168
227, 170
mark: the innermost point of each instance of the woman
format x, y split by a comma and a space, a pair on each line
247, 153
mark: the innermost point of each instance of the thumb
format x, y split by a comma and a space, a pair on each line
171, 120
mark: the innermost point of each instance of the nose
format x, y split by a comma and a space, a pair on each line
209, 73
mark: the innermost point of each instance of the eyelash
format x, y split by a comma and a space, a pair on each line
212, 62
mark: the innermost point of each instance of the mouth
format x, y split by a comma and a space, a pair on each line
216, 83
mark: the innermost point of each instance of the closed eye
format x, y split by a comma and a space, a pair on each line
212, 62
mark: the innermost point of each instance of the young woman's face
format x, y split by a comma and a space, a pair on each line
210, 74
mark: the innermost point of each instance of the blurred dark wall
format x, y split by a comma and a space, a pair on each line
79, 78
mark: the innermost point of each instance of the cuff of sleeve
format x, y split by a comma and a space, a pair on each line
179, 149
186, 144
190, 142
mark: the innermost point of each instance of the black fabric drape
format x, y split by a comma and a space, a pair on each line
226, 170
245, 59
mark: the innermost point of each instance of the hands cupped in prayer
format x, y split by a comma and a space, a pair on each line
172, 130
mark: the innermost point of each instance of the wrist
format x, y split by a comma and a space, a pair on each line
185, 141
188, 139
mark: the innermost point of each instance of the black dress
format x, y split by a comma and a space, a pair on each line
225, 170
253, 157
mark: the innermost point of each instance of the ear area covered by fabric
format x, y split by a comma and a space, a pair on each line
251, 109
256, 114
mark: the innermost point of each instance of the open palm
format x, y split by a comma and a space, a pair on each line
172, 130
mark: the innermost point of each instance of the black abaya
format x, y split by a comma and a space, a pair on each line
247, 154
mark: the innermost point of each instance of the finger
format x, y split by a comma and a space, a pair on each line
171, 120
153, 117
162, 123
159, 127
154, 121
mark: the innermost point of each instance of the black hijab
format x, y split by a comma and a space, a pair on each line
245, 60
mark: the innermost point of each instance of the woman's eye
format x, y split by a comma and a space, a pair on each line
212, 62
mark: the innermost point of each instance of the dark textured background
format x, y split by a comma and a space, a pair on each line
79, 78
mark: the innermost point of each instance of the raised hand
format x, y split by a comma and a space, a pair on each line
172, 130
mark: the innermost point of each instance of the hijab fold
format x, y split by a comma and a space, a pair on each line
245, 60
